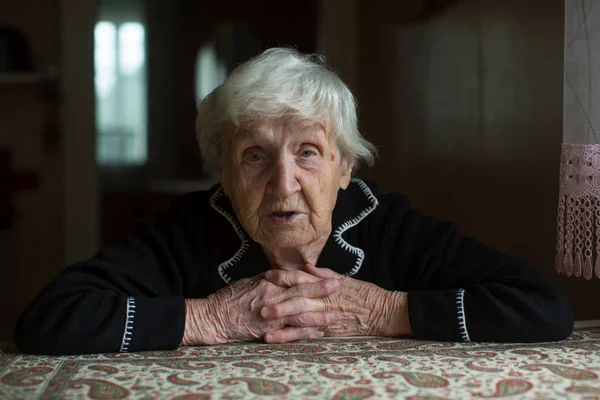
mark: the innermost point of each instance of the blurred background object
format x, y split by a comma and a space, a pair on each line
14, 51
578, 247
463, 99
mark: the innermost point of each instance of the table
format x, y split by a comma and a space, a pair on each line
350, 368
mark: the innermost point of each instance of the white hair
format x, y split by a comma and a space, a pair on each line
281, 82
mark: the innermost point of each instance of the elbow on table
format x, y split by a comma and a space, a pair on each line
540, 315
558, 320
28, 339
32, 336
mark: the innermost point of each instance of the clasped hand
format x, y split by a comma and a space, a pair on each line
281, 306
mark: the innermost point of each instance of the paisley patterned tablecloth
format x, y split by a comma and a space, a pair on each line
357, 368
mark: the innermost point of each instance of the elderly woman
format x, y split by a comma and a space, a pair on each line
288, 246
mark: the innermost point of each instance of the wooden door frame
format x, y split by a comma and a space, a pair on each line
81, 199
338, 34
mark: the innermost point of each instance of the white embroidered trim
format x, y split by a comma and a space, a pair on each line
462, 322
358, 252
240, 232
128, 331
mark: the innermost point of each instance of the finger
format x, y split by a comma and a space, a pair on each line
319, 318
315, 290
323, 273
289, 278
257, 277
291, 334
291, 307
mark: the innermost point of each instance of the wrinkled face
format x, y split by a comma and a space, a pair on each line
282, 177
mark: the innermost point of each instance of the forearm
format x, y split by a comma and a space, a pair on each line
490, 313
62, 321
392, 315
201, 324
67, 324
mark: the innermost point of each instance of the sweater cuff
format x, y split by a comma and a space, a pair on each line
438, 315
152, 323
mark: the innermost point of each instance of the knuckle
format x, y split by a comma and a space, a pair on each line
284, 275
329, 305
302, 320
296, 276
302, 290
273, 325
263, 284
330, 285
303, 302
330, 317
323, 318
277, 312
276, 276
269, 288
255, 304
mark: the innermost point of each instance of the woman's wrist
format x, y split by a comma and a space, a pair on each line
200, 324
394, 315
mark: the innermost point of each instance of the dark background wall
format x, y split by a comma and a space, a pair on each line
466, 108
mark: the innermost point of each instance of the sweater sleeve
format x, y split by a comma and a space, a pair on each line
461, 290
127, 298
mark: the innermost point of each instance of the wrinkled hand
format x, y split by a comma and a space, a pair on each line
233, 313
365, 309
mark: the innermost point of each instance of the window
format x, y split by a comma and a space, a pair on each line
210, 71
121, 93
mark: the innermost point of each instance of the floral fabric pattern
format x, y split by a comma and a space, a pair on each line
350, 368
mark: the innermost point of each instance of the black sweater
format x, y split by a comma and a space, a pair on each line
130, 297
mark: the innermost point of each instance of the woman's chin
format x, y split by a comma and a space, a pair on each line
285, 239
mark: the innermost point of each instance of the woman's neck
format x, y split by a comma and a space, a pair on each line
291, 258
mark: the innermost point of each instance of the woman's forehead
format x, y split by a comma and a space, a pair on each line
260, 127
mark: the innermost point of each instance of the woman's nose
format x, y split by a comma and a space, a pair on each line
284, 182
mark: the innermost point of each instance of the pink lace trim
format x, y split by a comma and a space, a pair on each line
578, 249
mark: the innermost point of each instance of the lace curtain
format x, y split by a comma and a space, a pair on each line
578, 249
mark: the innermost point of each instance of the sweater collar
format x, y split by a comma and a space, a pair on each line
341, 252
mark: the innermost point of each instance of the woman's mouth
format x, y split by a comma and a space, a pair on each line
283, 217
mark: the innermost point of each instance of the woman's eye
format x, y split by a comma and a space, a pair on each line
254, 157
308, 154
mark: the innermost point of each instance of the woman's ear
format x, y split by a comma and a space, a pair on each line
346, 171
